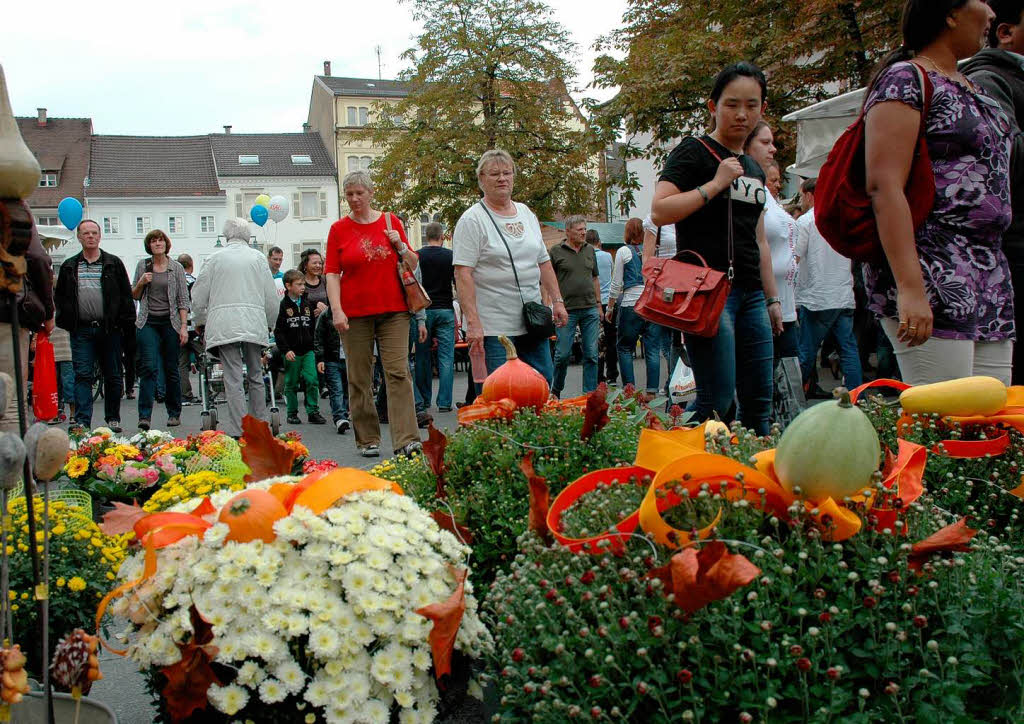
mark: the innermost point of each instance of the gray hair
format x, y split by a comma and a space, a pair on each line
494, 155
357, 178
237, 228
573, 220
434, 231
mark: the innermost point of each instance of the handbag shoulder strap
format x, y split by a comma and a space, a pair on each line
507, 249
729, 233
927, 91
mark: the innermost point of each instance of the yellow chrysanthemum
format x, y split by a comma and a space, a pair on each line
77, 584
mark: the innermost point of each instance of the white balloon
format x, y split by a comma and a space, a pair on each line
278, 208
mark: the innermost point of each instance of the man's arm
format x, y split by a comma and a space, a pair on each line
549, 285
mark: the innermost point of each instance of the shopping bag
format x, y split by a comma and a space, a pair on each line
44, 380
682, 387
788, 399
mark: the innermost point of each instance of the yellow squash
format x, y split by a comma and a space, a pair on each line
962, 397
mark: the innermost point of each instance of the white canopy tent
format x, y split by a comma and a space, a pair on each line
818, 127
53, 237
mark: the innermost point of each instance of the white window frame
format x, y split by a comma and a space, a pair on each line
352, 116
176, 224
208, 224
364, 115
301, 246
249, 159
143, 225
112, 225
47, 220
49, 179
302, 159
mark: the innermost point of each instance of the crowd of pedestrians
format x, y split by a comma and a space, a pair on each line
938, 301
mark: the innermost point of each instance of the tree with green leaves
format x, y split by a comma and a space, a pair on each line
485, 74
665, 56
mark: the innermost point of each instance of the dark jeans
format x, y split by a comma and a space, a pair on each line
194, 348
440, 325
787, 344
735, 363
589, 323
158, 356
535, 353
813, 328
630, 328
336, 374
90, 345
65, 383
607, 353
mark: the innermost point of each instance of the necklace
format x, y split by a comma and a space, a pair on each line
954, 76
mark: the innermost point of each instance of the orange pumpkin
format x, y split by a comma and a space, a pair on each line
251, 515
516, 380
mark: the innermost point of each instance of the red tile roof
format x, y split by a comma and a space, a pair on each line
61, 145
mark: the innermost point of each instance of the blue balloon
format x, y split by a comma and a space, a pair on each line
69, 211
259, 214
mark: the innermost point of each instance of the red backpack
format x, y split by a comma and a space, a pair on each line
842, 206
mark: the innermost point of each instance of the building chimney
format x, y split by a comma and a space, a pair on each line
306, 128
227, 129
327, 67
41, 118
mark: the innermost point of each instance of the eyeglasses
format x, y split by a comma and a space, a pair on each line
500, 174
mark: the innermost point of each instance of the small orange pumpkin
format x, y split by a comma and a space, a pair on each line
251, 515
516, 380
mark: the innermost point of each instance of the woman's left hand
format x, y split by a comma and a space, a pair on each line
183, 337
775, 315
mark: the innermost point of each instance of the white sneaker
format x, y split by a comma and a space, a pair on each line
343, 425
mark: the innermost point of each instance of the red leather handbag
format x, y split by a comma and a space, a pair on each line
842, 207
685, 296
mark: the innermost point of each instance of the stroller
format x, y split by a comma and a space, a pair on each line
211, 383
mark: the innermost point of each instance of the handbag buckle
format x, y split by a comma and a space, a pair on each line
668, 294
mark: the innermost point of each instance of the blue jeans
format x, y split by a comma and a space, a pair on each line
90, 345
630, 328
336, 374
158, 355
589, 321
535, 353
440, 324
736, 363
814, 326
66, 383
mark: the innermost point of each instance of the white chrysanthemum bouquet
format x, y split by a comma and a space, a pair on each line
318, 624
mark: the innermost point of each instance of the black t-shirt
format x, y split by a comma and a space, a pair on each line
706, 232
438, 275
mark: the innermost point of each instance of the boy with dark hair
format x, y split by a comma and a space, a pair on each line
999, 70
293, 335
330, 362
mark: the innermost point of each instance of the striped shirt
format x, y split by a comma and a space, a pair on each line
90, 290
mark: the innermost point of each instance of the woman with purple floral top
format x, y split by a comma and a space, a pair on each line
944, 296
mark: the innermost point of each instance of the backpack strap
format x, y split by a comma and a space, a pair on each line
927, 91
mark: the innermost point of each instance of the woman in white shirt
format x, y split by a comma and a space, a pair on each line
780, 228
627, 284
489, 238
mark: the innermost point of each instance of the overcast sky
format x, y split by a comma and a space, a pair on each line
192, 66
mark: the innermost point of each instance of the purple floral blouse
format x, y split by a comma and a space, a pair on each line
960, 244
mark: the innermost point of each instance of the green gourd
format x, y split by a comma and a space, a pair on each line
830, 450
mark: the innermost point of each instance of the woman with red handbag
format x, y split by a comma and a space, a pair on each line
943, 290
715, 196
369, 307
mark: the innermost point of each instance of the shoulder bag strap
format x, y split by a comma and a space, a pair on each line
387, 225
507, 248
657, 243
729, 234
927, 90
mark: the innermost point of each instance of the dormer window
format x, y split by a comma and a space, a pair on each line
248, 159
301, 159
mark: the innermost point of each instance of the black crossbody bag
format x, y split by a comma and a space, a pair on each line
540, 323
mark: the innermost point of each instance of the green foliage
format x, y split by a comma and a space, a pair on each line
828, 631
486, 489
484, 74
665, 55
